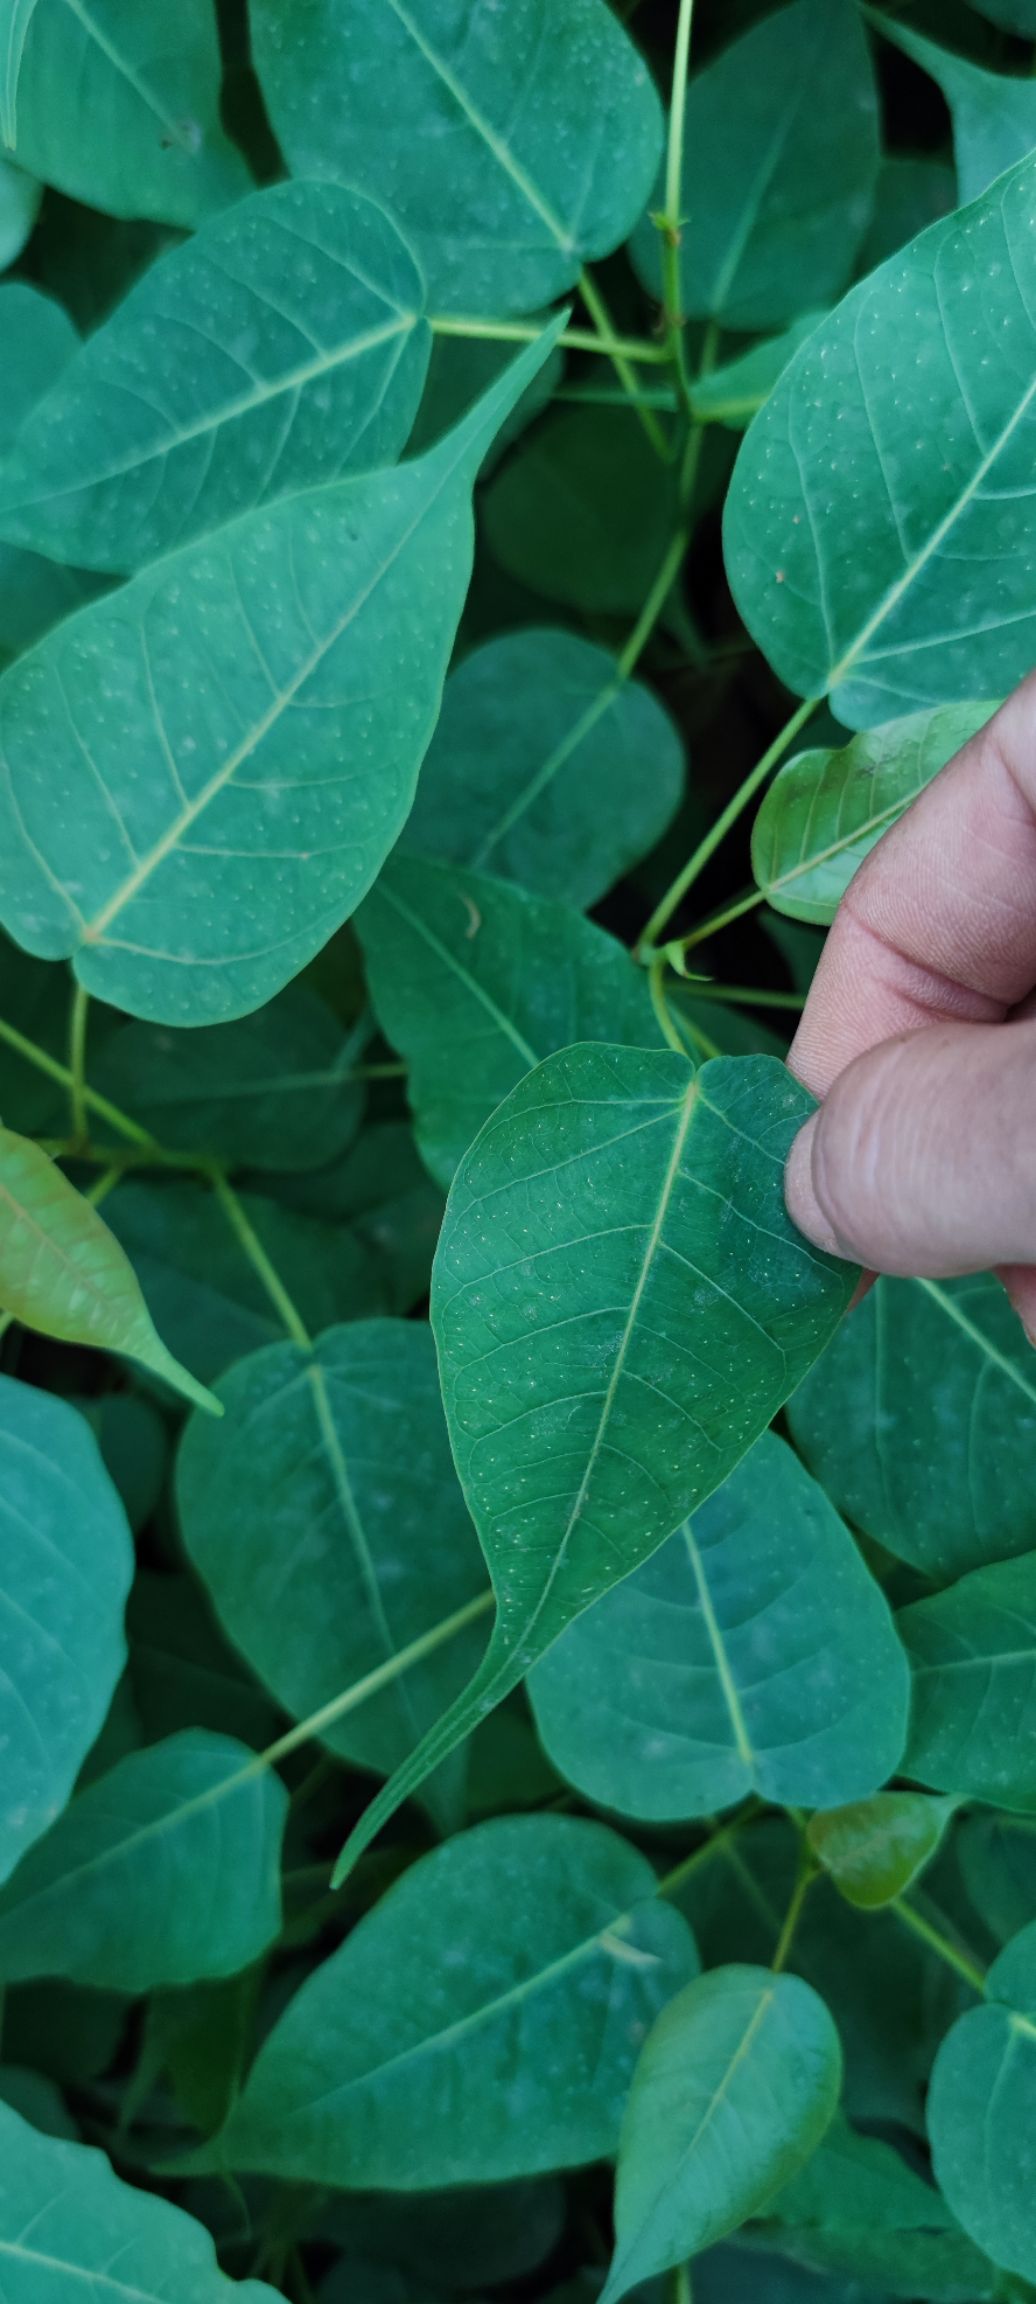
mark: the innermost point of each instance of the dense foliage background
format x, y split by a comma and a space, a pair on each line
464, 1732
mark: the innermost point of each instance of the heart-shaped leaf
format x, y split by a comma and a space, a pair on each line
993, 113
982, 2112
971, 1651
882, 560
158, 431
511, 144
66, 1564
616, 1257
191, 851
875, 1848
527, 1947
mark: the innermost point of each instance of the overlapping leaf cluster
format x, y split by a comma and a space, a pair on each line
397, 1291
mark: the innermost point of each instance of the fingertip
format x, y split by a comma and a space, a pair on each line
800, 1192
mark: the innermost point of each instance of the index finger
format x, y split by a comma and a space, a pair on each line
939, 923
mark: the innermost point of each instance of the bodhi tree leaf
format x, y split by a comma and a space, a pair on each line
617, 1258
874, 1848
910, 194
62, 1270
115, 109
204, 773
547, 767
993, 114
921, 1423
583, 511
825, 810
734, 2088
67, 2223
163, 1871
66, 1564
972, 1651
282, 347
20, 197
780, 160
997, 1858
880, 531
982, 2112
754, 1652
512, 144
474, 981
203, 1287
39, 340
858, 2209
326, 1545
269, 1092
482, 2022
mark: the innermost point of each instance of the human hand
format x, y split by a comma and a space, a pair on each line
920, 1033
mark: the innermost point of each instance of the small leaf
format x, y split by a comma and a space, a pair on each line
752, 1653
326, 1546
512, 145
163, 1871
971, 1651
874, 1848
982, 2112
921, 1423
62, 1271
67, 2224
475, 981
734, 2089
429, 2049
202, 1287
158, 431
825, 810
780, 157
993, 113
583, 511
67, 1565
547, 767
885, 563
269, 1092
193, 850
118, 106
617, 1256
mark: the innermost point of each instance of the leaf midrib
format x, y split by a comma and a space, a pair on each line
477, 992
501, 152
352, 1517
728, 1684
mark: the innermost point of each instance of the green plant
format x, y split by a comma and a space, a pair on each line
397, 1287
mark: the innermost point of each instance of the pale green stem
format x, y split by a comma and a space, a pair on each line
77, 1061
656, 987
671, 222
711, 1847
612, 396
746, 996
259, 1260
717, 833
603, 340
806, 1877
653, 605
371, 1684
61, 1073
602, 320
716, 920
940, 1944
682, 2285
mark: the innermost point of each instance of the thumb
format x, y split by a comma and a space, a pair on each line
922, 1160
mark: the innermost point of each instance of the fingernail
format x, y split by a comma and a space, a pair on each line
800, 1197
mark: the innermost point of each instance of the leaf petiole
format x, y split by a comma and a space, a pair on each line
253, 1248
717, 832
940, 1944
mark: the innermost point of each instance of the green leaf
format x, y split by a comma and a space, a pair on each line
163, 1871
269, 1092
40, 340
118, 106
164, 427
474, 981
910, 194
202, 1287
733, 393
466, 2238
512, 145
997, 1858
982, 2112
780, 159
583, 511
382, 1189
857, 2209
63, 1272
68, 2223
617, 1256
874, 1848
826, 810
753, 1653
191, 852
1014, 15
547, 767
734, 2089
921, 1423
20, 197
993, 113
183, 1673
327, 1547
67, 1565
482, 2022
880, 559
971, 1652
